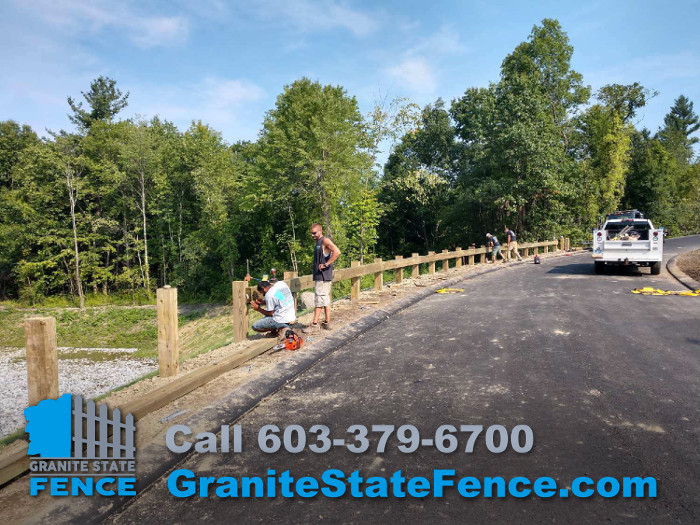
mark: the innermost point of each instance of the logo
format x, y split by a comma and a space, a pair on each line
82, 451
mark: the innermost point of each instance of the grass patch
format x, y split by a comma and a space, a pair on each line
108, 327
17, 434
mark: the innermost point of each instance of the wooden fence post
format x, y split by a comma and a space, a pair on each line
431, 265
379, 276
168, 350
445, 263
288, 276
415, 269
398, 273
42, 358
355, 283
546, 248
240, 311
458, 261
482, 256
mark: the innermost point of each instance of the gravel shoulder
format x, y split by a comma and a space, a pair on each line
689, 263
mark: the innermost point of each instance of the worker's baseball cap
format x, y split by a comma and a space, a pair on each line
488, 235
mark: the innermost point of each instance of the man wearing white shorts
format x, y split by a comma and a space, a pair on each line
325, 254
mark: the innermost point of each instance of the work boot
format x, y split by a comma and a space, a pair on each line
326, 326
280, 333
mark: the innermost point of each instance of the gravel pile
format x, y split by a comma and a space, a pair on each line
90, 375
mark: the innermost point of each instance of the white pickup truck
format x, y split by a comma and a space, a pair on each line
627, 238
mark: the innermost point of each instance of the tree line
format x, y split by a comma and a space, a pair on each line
122, 206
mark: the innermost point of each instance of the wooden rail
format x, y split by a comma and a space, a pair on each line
41, 340
243, 293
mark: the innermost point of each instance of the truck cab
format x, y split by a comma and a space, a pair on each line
627, 238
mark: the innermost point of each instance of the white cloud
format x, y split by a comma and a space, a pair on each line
310, 16
159, 31
444, 42
416, 74
415, 69
81, 16
227, 105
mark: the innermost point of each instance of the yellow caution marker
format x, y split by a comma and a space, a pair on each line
449, 290
655, 291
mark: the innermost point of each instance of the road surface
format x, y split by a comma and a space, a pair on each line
608, 381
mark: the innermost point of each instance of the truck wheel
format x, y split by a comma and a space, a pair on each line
599, 267
656, 268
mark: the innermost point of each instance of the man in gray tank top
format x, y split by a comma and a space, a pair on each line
512, 245
325, 254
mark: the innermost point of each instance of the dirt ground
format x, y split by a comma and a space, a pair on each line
689, 263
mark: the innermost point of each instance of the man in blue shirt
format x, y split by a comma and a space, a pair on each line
495, 246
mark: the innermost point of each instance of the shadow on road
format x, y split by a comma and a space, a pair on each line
587, 269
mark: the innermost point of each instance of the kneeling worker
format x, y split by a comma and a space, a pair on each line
279, 312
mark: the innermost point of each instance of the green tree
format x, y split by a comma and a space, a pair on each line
650, 182
104, 101
625, 100
418, 181
13, 140
679, 124
544, 61
604, 161
313, 158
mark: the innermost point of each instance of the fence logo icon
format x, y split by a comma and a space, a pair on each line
93, 435
70, 439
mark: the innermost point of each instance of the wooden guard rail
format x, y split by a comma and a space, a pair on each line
242, 292
42, 369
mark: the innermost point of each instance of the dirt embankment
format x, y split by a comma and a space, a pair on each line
689, 263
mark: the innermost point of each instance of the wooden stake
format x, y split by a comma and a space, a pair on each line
415, 269
398, 273
355, 283
378, 276
240, 311
168, 350
42, 358
431, 265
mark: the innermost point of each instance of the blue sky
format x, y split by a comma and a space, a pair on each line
225, 62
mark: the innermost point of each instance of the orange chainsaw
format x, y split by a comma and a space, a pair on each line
292, 341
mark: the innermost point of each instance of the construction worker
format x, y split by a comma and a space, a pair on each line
512, 244
325, 254
279, 308
495, 246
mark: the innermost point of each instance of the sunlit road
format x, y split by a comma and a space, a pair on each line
608, 381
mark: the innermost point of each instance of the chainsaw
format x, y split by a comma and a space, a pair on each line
292, 341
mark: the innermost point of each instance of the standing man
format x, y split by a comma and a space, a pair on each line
325, 254
495, 246
279, 308
512, 244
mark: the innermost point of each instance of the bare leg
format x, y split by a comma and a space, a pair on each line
317, 314
328, 313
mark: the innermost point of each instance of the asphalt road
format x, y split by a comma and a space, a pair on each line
608, 381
